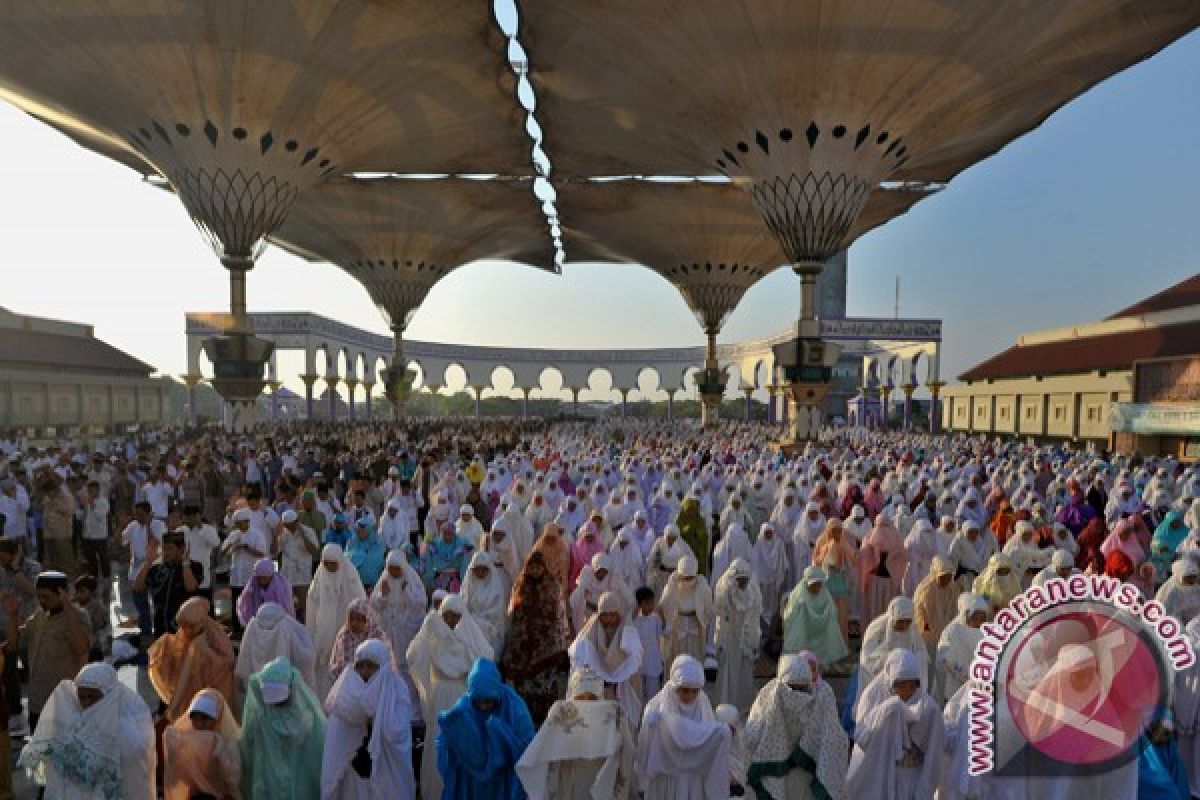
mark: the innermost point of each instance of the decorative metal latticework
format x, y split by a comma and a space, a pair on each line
713, 291
237, 187
811, 215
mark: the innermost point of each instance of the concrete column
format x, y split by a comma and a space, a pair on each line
624, 402
748, 392
191, 381
309, 380
670, 405
478, 401
935, 408
908, 405
784, 408
331, 381
575, 402
772, 396
525, 402
367, 387
351, 385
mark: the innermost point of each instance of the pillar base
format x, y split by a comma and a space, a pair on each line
710, 409
238, 361
807, 365
397, 385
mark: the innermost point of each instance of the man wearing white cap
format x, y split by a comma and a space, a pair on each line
296, 546
247, 545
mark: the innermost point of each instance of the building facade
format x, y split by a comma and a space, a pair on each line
1129, 382
57, 377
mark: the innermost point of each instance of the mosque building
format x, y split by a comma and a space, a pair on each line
1129, 382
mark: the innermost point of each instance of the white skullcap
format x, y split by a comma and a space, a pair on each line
98, 676
204, 703
439, 595
726, 714
374, 651
906, 668
288, 517
686, 673
331, 552
275, 692
687, 567
794, 668
242, 515
900, 608
395, 558
585, 681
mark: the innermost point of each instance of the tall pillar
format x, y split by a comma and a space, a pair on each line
309, 380
885, 407
747, 392
367, 387
274, 386
478, 401
784, 409
671, 405
575, 402
331, 381
624, 402
351, 385
908, 405
191, 380
935, 408
525, 402
772, 396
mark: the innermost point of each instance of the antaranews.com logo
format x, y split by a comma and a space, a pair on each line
1067, 677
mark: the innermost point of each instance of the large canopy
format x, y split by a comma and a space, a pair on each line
399, 237
703, 237
241, 104
812, 104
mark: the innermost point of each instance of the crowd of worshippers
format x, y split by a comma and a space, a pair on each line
476, 610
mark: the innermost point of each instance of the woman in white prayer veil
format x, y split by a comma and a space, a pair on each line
683, 751
895, 630
334, 586
93, 741
439, 659
518, 527
627, 561
899, 742
664, 557
398, 600
368, 736
270, 634
770, 562
738, 607
687, 609
486, 594
733, 545
1187, 711
503, 548
609, 645
797, 747
584, 751
956, 647
596, 579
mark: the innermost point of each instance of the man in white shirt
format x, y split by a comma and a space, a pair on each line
143, 536
158, 493
247, 544
202, 539
14, 505
297, 545
94, 511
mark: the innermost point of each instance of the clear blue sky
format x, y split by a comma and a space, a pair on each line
1093, 210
